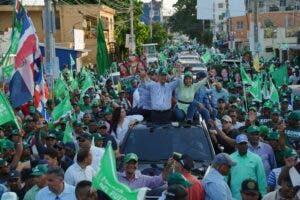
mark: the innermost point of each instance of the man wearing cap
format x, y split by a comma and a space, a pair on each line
184, 164
224, 136
14, 183
102, 130
265, 116
160, 95
84, 142
290, 158
249, 190
12, 152
86, 107
276, 119
76, 113
175, 179
4, 169
186, 93
278, 145
285, 109
263, 150
135, 180
292, 130
249, 165
214, 184
81, 169
39, 172
218, 92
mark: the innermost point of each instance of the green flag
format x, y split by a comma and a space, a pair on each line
6, 112
88, 83
280, 76
274, 97
62, 108
246, 79
7, 71
255, 89
102, 54
106, 179
72, 61
68, 133
206, 57
60, 88
272, 68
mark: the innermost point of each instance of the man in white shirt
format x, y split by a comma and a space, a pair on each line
84, 142
80, 170
57, 189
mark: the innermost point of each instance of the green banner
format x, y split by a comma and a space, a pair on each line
6, 112
274, 97
61, 109
280, 76
68, 133
106, 180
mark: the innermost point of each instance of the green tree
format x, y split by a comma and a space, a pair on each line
159, 34
184, 21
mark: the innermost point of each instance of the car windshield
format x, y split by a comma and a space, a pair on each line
158, 144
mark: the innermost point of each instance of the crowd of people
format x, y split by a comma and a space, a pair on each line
257, 142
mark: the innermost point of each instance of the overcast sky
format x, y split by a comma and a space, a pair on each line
167, 7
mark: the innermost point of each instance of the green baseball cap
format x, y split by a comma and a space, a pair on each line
275, 111
39, 170
297, 98
268, 104
95, 104
252, 129
289, 152
252, 108
43, 134
15, 132
101, 124
285, 100
235, 105
178, 179
131, 156
264, 130
108, 111
51, 135
31, 109
188, 74
294, 116
8, 144
274, 135
162, 71
98, 136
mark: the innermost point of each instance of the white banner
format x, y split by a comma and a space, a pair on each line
79, 39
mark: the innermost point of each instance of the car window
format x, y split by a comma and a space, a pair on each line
160, 143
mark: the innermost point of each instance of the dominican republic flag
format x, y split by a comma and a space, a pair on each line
41, 95
27, 69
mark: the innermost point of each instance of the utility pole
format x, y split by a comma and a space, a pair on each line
151, 18
255, 25
132, 37
49, 25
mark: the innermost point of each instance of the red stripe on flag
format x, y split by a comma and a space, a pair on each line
28, 47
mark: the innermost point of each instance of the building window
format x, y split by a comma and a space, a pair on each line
220, 5
156, 13
221, 17
90, 31
105, 23
239, 25
57, 21
260, 4
282, 3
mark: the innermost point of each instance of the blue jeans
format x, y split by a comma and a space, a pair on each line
193, 108
179, 114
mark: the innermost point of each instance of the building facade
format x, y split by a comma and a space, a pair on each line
69, 18
153, 10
